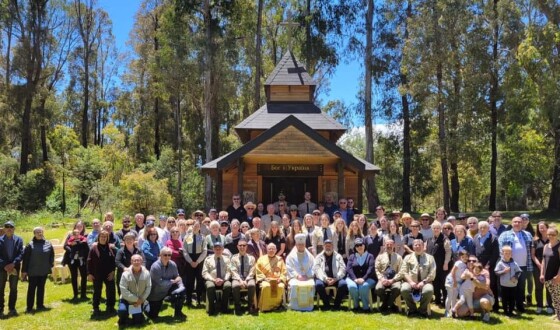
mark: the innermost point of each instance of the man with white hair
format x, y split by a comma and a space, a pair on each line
299, 265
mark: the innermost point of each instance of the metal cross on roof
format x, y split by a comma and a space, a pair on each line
290, 27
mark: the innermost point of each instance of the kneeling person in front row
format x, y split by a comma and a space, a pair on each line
217, 274
166, 282
330, 271
135, 285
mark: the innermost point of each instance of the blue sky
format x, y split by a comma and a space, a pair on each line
344, 83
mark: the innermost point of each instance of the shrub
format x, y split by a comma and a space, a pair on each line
142, 192
35, 186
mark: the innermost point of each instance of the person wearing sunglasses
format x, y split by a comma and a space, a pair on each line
243, 277
217, 274
361, 276
250, 209
419, 270
126, 228
135, 286
166, 282
236, 209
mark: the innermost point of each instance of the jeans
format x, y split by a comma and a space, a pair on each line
123, 313
13, 280
36, 284
520, 292
361, 291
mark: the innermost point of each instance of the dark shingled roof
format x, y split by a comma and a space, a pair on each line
271, 114
289, 72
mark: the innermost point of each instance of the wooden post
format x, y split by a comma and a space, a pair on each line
240, 169
340, 169
360, 197
219, 190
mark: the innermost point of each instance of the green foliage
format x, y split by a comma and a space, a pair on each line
142, 192
35, 187
8, 186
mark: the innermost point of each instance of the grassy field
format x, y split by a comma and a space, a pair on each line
64, 314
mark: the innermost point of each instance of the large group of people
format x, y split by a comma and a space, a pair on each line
283, 255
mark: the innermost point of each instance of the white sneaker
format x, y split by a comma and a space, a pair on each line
486, 317
539, 310
549, 310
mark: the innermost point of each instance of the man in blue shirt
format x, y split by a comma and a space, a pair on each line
11, 255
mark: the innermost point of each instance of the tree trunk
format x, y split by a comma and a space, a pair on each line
494, 111
85, 110
258, 60
44, 145
308, 37
179, 144
26, 135
454, 144
554, 200
8, 52
157, 115
406, 198
371, 189
208, 100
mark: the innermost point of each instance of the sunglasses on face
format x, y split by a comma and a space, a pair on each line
9, 227
472, 260
250, 208
166, 255
358, 245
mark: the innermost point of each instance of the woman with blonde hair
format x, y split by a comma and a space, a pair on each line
354, 231
406, 222
395, 236
276, 237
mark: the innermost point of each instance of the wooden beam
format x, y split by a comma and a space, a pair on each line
219, 191
340, 169
240, 169
360, 198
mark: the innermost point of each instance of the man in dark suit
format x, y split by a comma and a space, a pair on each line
11, 255
487, 251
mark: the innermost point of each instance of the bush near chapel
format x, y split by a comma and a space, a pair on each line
143, 193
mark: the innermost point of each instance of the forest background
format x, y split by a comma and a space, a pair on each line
468, 93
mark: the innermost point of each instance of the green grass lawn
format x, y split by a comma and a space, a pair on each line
64, 314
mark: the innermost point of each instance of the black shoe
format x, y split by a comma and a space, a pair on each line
393, 308
411, 313
111, 311
83, 297
529, 300
29, 311
180, 316
95, 312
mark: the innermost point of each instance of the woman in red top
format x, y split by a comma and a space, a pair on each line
176, 246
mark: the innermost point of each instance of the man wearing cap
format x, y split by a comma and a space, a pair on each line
270, 272
299, 265
330, 270
387, 267
425, 226
11, 255
419, 271
462, 219
217, 274
293, 213
236, 210
243, 276
150, 222
250, 208
166, 282
307, 206
180, 214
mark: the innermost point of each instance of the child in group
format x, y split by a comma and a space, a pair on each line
508, 271
453, 281
466, 290
76, 250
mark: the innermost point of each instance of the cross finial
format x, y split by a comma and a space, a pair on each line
290, 26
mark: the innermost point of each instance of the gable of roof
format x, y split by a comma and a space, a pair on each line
289, 72
290, 120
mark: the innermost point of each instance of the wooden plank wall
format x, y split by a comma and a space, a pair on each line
290, 93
